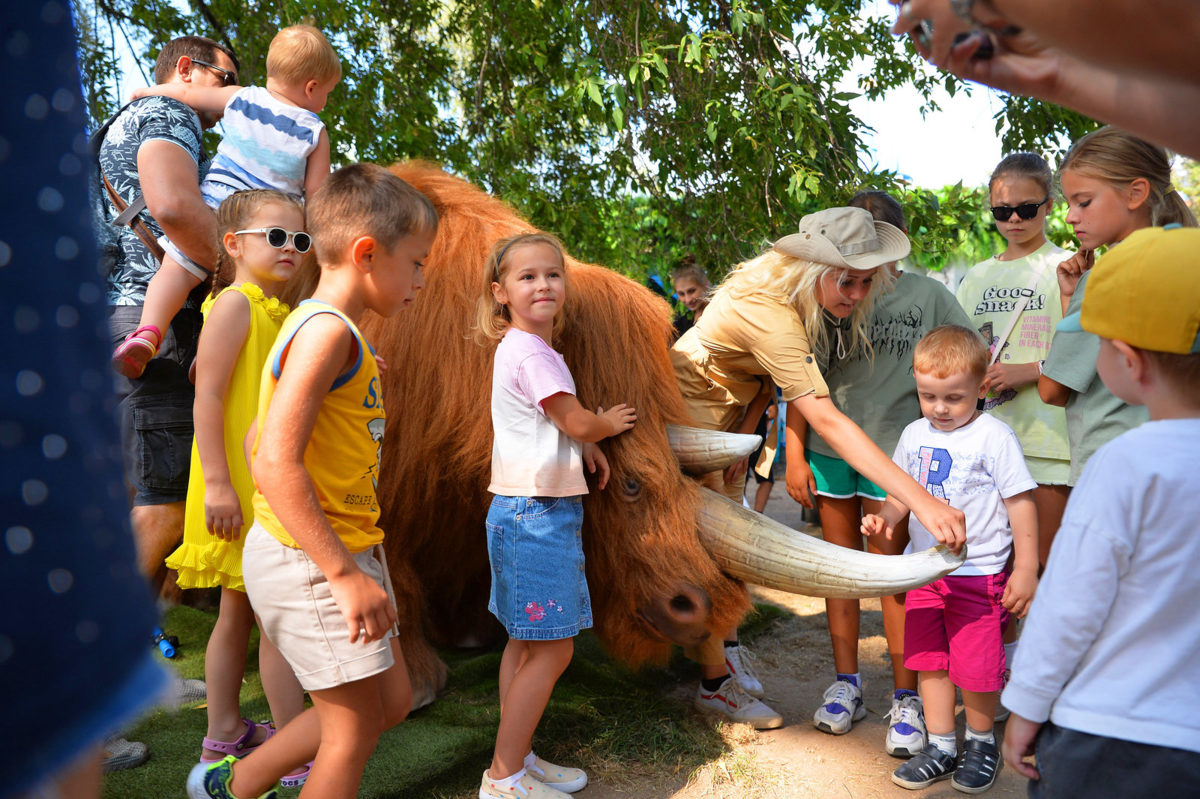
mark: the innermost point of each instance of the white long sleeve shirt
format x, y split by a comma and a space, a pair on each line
1112, 644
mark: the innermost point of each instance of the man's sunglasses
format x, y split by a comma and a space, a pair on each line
1003, 213
230, 78
277, 237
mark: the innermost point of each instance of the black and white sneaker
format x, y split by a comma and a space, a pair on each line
979, 767
927, 767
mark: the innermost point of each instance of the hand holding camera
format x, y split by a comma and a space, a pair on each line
940, 27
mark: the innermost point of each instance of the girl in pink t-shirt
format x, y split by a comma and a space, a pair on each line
543, 438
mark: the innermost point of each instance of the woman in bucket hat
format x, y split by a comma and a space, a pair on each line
763, 328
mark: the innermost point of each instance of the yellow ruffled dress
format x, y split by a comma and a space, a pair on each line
203, 560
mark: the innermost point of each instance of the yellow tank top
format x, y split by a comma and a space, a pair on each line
342, 457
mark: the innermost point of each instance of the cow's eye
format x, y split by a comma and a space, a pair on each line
631, 488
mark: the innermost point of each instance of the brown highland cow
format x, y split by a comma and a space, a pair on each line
650, 576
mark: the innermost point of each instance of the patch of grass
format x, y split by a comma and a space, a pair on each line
603, 717
759, 620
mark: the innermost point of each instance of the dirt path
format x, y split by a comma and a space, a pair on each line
796, 665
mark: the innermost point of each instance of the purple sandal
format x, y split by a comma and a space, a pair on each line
242, 746
296, 780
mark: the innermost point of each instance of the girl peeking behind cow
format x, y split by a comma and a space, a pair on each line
765, 324
543, 438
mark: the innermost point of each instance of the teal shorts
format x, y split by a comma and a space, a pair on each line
835, 478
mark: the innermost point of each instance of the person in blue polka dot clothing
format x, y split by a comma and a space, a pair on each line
75, 660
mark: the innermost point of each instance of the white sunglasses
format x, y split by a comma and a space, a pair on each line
277, 237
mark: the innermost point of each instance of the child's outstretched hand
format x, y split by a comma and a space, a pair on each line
364, 605
621, 417
874, 524
593, 459
1018, 593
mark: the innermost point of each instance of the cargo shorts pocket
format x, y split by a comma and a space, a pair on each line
163, 440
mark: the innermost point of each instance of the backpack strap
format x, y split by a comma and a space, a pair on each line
1016, 312
127, 215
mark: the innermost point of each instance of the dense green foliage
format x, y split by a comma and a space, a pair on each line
638, 131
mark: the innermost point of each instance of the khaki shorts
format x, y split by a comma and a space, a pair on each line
297, 613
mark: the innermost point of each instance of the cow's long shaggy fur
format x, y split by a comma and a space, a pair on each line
639, 533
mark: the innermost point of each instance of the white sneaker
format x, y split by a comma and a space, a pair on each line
560, 778
526, 788
906, 733
842, 707
732, 702
739, 661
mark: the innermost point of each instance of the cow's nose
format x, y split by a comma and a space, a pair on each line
682, 616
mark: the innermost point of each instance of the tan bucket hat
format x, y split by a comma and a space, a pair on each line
848, 237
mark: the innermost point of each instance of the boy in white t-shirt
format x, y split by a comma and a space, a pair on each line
953, 627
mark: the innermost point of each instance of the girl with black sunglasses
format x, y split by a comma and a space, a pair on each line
1013, 300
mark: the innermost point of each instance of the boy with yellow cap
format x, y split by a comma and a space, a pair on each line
1105, 677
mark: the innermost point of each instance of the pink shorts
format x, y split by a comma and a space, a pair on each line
956, 624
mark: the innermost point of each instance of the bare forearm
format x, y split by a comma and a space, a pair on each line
1099, 30
585, 426
581, 424
1162, 110
1053, 392
754, 411
289, 491
317, 169
1026, 373
893, 511
206, 99
170, 185
1022, 518
209, 418
853, 445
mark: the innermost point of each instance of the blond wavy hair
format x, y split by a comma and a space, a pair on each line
795, 281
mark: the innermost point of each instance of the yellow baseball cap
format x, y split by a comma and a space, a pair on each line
1146, 292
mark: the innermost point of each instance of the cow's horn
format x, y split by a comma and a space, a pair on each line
759, 550
701, 451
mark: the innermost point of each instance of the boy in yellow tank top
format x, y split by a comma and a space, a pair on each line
313, 565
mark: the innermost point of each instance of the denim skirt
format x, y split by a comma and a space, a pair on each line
535, 547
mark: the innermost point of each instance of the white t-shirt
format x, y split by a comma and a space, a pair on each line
531, 457
973, 468
1111, 644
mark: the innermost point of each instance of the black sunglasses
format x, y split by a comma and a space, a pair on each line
1027, 211
230, 78
277, 237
